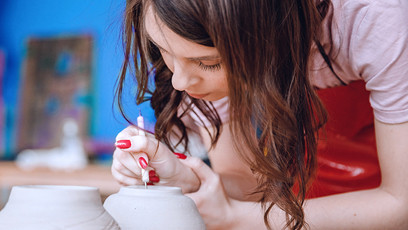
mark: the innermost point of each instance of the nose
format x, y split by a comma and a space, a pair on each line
182, 78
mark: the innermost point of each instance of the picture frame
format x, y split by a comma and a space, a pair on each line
56, 87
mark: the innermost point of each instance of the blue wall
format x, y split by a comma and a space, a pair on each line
20, 19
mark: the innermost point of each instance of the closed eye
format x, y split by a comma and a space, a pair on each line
214, 67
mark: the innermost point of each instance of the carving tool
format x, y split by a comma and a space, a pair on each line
140, 124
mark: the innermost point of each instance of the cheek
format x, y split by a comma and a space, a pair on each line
168, 60
219, 81
222, 76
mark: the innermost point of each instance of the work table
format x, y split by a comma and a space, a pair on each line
93, 175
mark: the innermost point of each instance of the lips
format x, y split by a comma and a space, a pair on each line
198, 96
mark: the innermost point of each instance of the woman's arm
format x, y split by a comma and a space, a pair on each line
385, 207
235, 173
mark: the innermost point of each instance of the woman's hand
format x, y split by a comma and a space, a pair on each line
135, 152
211, 200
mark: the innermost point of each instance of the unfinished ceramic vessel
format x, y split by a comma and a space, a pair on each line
157, 207
55, 207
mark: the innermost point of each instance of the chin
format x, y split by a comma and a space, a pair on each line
213, 97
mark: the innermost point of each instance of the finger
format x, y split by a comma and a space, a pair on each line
152, 173
129, 131
127, 176
154, 179
203, 171
141, 159
211, 185
118, 166
142, 162
141, 144
123, 179
130, 161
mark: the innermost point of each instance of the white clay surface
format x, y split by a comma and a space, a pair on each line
49, 207
158, 207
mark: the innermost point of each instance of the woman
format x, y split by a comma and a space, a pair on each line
246, 75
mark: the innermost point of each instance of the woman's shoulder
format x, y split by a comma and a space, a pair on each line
364, 36
358, 5
373, 34
338, 34
367, 12
368, 41
374, 41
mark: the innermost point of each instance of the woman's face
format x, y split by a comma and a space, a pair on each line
196, 69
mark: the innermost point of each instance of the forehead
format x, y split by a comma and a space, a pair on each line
161, 35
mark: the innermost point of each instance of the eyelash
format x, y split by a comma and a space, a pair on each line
201, 65
209, 67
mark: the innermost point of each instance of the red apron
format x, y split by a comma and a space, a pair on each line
347, 155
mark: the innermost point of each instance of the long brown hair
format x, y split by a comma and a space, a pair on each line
265, 47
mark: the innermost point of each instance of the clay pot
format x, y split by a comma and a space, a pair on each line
55, 207
157, 207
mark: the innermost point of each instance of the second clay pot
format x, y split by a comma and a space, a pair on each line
158, 207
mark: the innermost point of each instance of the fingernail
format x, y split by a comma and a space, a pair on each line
152, 173
142, 163
180, 156
123, 144
154, 179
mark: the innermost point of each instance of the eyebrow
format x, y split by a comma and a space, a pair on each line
202, 58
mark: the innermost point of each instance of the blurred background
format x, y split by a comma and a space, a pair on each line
59, 62
60, 59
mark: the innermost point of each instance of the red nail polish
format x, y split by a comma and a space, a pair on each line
149, 183
123, 144
152, 173
180, 156
142, 162
154, 179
